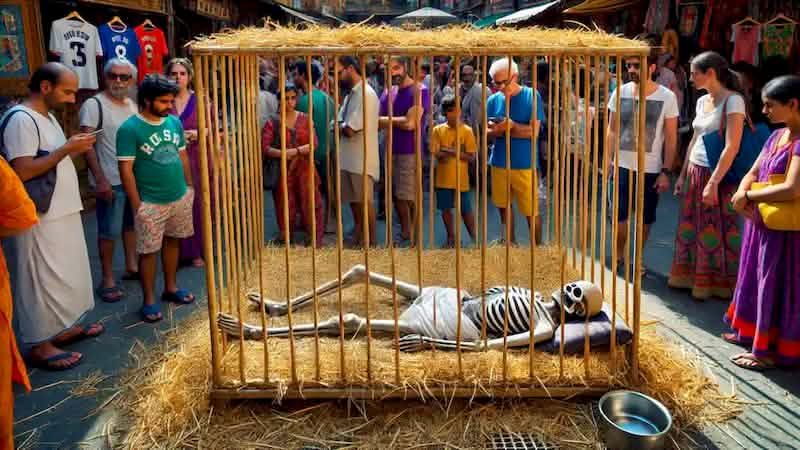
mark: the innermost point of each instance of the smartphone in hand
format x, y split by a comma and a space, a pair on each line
95, 132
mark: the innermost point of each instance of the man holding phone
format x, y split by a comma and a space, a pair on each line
103, 114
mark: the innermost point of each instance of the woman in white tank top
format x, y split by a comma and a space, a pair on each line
707, 242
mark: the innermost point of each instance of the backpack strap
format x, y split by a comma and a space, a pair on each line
99, 112
4, 124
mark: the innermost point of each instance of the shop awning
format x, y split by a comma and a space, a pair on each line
601, 6
526, 14
335, 19
298, 14
426, 16
488, 21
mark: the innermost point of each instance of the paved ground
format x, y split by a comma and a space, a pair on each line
47, 420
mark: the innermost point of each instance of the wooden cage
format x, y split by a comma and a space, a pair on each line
578, 177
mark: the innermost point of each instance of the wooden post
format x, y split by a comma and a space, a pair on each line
389, 211
207, 246
637, 281
594, 167
339, 229
509, 230
312, 205
457, 218
484, 191
365, 212
431, 197
615, 211
535, 212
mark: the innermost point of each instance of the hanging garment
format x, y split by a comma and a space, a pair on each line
154, 49
77, 44
778, 40
657, 16
119, 43
690, 20
746, 39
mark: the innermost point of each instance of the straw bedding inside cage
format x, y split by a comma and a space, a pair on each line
426, 371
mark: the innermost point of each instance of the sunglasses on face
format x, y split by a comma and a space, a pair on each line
119, 76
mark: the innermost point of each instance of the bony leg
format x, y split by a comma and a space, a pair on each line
418, 342
350, 323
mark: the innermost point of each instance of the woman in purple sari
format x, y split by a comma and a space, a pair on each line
765, 311
185, 108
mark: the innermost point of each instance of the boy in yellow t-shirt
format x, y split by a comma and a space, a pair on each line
443, 146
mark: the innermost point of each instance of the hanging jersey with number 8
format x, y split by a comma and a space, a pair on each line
119, 41
77, 44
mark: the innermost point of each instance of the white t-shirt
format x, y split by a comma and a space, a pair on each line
709, 122
352, 148
661, 105
106, 146
78, 45
267, 108
21, 140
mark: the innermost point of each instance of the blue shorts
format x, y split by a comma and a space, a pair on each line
115, 216
446, 199
650, 196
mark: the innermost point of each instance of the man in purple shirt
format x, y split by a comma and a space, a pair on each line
406, 117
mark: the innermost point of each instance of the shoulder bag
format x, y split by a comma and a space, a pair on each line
41, 188
754, 136
779, 216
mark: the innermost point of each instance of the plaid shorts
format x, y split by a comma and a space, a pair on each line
153, 221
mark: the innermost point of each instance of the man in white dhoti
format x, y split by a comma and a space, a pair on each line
49, 264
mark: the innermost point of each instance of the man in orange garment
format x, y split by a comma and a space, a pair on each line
17, 213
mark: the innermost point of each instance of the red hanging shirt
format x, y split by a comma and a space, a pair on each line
154, 49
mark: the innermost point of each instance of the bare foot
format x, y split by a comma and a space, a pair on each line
40, 353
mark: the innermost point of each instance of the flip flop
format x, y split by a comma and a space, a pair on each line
85, 333
151, 310
181, 297
732, 338
47, 364
131, 276
111, 294
750, 362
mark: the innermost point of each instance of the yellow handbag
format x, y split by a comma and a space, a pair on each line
779, 216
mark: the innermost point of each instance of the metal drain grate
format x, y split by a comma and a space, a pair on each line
518, 441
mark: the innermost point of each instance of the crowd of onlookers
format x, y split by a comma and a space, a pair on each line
143, 161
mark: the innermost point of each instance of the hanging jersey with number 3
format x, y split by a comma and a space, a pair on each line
119, 42
77, 43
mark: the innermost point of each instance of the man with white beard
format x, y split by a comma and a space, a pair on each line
107, 111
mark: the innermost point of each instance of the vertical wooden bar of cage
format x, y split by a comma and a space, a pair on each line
236, 180
200, 63
588, 165
339, 227
286, 231
259, 211
562, 277
253, 168
218, 260
637, 280
312, 205
244, 192
389, 152
249, 167
555, 175
551, 105
484, 190
615, 207
418, 208
225, 183
608, 148
508, 211
564, 153
431, 197
594, 168
365, 211
457, 218
575, 160
535, 200
631, 210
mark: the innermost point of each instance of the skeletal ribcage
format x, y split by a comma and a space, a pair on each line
519, 310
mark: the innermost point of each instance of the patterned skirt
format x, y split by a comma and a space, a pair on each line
707, 243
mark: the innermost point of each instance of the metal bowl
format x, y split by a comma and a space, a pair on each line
632, 420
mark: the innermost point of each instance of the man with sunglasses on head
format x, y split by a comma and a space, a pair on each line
107, 111
521, 124
661, 124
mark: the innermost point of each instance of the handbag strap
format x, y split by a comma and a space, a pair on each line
99, 112
723, 121
3, 126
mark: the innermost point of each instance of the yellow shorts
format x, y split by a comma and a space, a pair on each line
521, 190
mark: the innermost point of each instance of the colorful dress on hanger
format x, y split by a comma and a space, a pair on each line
778, 40
765, 310
745, 38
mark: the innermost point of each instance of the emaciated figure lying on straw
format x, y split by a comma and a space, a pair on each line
419, 330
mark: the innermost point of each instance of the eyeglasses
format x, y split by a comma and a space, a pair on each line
119, 76
632, 65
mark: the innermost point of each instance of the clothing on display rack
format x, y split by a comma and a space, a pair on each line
691, 20
657, 16
746, 39
119, 41
77, 44
154, 49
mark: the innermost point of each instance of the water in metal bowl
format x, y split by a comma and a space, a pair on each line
634, 421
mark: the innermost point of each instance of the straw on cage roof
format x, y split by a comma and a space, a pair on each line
363, 39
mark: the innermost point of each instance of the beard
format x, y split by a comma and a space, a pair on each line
345, 84
634, 77
159, 112
119, 92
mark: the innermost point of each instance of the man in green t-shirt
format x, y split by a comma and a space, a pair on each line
154, 169
324, 113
